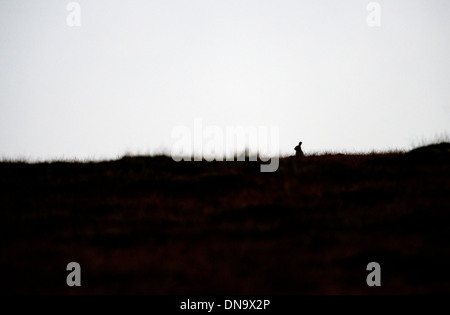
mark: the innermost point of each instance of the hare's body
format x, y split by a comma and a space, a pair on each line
298, 150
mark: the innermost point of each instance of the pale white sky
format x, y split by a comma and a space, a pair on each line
134, 70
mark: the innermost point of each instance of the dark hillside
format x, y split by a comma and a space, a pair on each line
154, 226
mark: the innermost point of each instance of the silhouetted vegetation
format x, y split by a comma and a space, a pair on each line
154, 226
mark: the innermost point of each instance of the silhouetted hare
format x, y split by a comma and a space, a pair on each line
298, 150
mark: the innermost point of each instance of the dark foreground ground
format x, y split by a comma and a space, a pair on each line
154, 226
